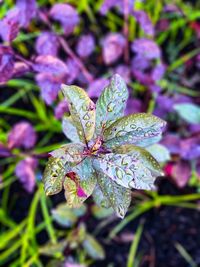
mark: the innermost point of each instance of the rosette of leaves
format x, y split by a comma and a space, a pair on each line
106, 158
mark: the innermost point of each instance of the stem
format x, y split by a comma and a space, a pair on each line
126, 30
27, 62
67, 49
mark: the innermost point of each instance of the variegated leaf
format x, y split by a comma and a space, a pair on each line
69, 153
140, 129
99, 197
79, 183
111, 103
125, 170
118, 196
82, 111
69, 129
53, 176
141, 155
159, 152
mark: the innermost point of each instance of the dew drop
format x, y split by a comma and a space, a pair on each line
133, 126
88, 124
119, 173
110, 107
86, 117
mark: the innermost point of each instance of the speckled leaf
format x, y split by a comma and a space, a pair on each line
93, 248
82, 111
69, 129
111, 165
111, 103
69, 153
66, 216
143, 156
118, 196
53, 175
79, 183
140, 129
125, 170
99, 197
159, 152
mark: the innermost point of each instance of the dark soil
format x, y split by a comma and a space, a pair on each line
163, 228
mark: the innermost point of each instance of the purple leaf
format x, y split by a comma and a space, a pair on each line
96, 87
113, 46
66, 15
158, 72
22, 135
108, 4
20, 68
190, 148
85, 46
172, 142
4, 151
181, 173
51, 65
133, 106
6, 63
60, 109
124, 72
139, 62
47, 44
25, 172
143, 19
49, 85
146, 48
9, 26
27, 9
73, 70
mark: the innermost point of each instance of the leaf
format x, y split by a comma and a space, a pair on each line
112, 166
125, 170
159, 152
189, 112
69, 129
82, 111
99, 197
140, 129
50, 249
65, 216
100, 213
118, 196
69, 153
93, 248
53, 176
79, 184
141, 155
111, 103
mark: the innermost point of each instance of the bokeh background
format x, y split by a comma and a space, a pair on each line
155, 46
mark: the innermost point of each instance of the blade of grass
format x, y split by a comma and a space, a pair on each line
134, 245
47, 217
183, 252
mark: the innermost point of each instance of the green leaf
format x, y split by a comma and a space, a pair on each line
159, 152
93, 248
118, 196
50, 249
53, 176
189, 112
100, 212
143, 156
79, 183
127, 170
111, 104
69, 153
140, 129
82, 111
69, 129
99, 197
66, 216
